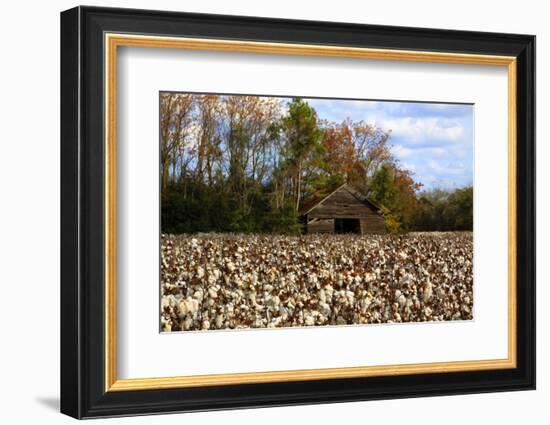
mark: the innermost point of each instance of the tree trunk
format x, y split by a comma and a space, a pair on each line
298, 187
165, 166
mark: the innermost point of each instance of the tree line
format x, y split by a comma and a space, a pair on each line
247, 163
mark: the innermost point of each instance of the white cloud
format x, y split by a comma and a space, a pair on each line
401, 151
439, 152
418, 130
409, 166
434, 141
364, 104
446, 169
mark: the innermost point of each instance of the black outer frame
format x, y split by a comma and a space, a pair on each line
82, 212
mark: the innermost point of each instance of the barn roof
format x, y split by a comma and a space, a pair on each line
314, 201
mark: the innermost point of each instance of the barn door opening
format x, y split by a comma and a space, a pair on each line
347, 225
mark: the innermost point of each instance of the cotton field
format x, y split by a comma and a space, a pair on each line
232, 281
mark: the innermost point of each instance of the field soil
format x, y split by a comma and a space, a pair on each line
232, 281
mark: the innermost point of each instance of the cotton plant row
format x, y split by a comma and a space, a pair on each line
233, 281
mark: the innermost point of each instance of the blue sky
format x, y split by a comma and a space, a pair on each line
433, 140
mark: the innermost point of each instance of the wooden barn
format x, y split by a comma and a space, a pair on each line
345, 210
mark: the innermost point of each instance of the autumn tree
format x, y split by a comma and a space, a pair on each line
207, 149
354, 151
175, 125
302, 135
339, 161
248, 139
373, 150
394, 189
245, 163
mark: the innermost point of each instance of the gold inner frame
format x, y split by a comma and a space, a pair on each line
113, 41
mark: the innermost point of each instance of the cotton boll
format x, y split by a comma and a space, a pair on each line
350, 297
275, 322
335, 279
402, 300
310, 321
283, 311
192, 307
187, 323
166, 324
406, 280
198, 294
428, 290
200, 272
219, 321
165, 302
325, 308
212, 293
369, 277
329, 290
322, 296
183, 304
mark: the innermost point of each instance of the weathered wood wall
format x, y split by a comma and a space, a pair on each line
344, 204
374, 224
321, 226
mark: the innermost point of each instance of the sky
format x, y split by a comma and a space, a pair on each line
433, 140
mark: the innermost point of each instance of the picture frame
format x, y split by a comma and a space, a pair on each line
90, 40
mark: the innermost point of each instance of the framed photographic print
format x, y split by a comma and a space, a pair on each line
261, 212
